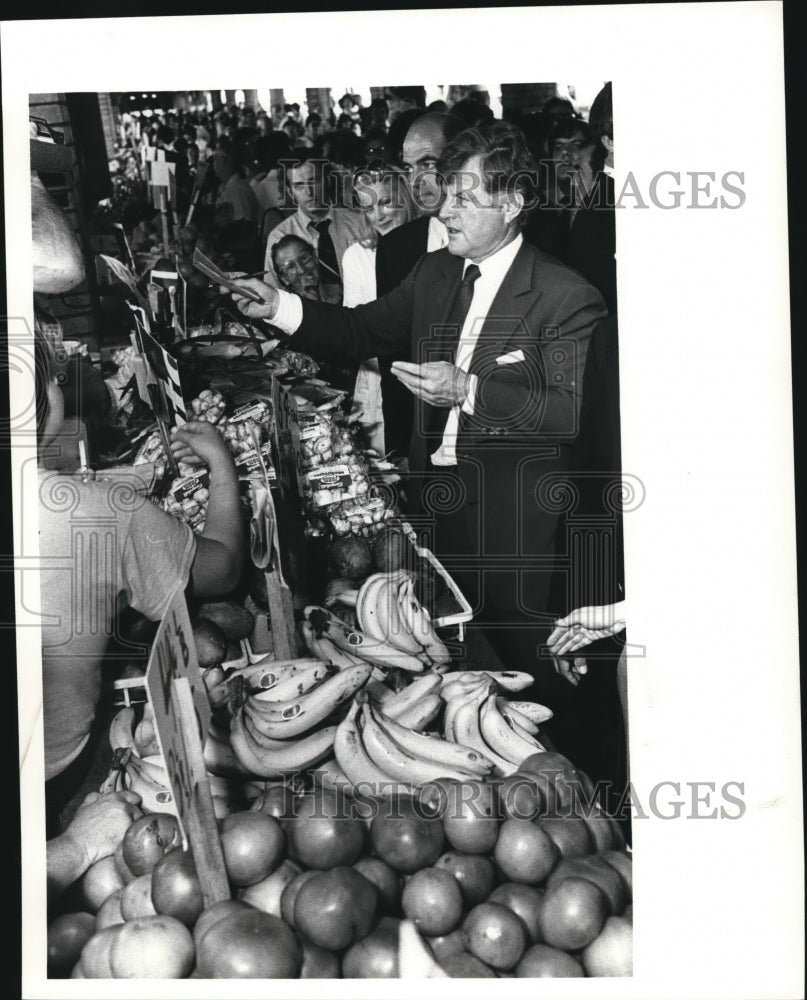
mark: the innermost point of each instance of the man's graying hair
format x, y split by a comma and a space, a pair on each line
506, 162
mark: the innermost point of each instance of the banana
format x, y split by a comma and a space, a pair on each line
358, 644
419, 715
399, 633
121, 735
467, 732
353, 759
456, 689
501, 738
368, 613
253, 723
267, 672
347, 597
296, 685
399, 762
219, 756
515, 720
435, 748
333, 654
296, 755
510, 680
532, 710
408, 696
154, 796
455, 702
417, 620
306, 632
283, 720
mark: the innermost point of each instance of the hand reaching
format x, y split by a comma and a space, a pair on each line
585, 625
101, 821
199, 443
265, 309
573, 670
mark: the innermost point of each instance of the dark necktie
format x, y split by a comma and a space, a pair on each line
454, 325
326, 254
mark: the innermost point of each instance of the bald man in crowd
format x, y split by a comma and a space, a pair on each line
399, 251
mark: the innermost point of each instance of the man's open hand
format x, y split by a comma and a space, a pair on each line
437, 382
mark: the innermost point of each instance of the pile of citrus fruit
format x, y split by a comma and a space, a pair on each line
516, 877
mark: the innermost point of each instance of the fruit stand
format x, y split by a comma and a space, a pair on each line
337, 776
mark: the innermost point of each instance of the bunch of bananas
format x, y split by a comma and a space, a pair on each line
139, 766
477, 715
395, 630
281, 712
380, 745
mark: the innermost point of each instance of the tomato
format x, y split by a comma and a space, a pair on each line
444, 945
253, 845
474, 872
175, 887
67, 935
566, 789
570, 834
249, 945
387, 881
623, 863
466, 966
147, 839
323, 834
543, 962
335, 908
572, 913
524, 901
520, 797
266, 894
96, 955
214, 913
471, 816
122, 868
110, 911
99, 882
524, 853
432, 900
158, 947
495, 935
318, 963
135, 900
402, 837
611, 952
289, 896
375, 956
598, 871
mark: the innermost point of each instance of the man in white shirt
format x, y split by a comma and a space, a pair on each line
329, 229
497, 388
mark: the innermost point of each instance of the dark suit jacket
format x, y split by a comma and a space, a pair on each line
529, 360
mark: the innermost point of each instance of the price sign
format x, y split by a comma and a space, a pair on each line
181, 718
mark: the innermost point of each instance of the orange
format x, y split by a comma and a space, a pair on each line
611, 952
524, 901
495, 935
471, 819
572, 913
542, 962
524, 852
432, 899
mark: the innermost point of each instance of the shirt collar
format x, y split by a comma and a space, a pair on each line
310, 224
498, 264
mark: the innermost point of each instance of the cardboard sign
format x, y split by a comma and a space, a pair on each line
182, 718
165, 374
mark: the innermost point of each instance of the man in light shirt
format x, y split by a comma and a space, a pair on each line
315, 220
497, 391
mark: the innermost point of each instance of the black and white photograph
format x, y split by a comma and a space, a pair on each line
387, 466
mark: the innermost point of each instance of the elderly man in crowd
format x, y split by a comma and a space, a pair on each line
497, 335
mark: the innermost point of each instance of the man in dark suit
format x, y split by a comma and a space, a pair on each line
497, 334
398, 252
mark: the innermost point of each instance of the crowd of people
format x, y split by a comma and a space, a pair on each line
465, 267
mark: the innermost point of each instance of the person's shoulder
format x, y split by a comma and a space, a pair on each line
289, 225
551, 270
409, 232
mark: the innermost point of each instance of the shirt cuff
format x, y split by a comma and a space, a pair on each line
289, 313
470, 399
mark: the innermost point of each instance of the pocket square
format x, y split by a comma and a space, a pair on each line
511, 358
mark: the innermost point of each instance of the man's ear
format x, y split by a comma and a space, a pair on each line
608, 143
513, 205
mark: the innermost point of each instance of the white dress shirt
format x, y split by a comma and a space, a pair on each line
491, 275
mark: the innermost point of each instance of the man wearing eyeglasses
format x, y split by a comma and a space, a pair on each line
328, 228
496, 334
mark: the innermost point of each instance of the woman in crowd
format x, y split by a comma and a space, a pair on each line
383, 194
